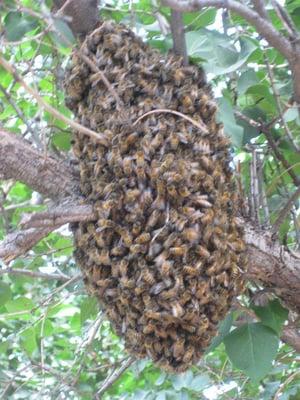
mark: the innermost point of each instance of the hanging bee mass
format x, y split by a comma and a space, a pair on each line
166, 254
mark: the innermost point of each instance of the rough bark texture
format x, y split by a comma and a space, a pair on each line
20, 161
273, 266
269, 262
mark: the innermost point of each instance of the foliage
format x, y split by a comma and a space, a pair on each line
49, 344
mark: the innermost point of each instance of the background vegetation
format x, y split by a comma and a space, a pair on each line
54, 341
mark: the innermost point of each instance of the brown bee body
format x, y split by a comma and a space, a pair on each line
165, 254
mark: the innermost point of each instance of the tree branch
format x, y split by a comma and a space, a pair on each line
20, 161
268, 262
273, 266
19, 242
288, 48
63, 214
177, 29
263, 27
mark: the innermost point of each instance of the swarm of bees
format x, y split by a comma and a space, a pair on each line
166, 255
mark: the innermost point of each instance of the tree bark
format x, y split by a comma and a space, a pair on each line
43, 173
269, 263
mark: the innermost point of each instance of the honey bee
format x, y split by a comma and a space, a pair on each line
96, 274
123, 266
168, 294
183, 191
104, 258
154, 250
148, 277
171, 189
125, 235
143, 238
156, 142
104, 282
166, 268
190, 271
238, 245
192, 235
178, 348
153, 219
179, 76
118, 251
153, 315
214, 268
138, 248
188, 355
177, 310
132, 195
127, 283
149, 328
201, 201
167, 162
147, 300
208, 217
179, 285
127, 166
159, 202
82, 240
157, 288
223, 278
160, 332
132, 336
170, 240
202, 146
113, 292
219, 244
173, 140
189, 328
146, 198
185, 297
202, 251
136, 228
179, 251
128, 142
206, 163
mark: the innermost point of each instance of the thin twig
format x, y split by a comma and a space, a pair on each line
287, 208
33, 274
264, 128
115, 375
78, 127
285, 383
199, 124
279, 107
177, 29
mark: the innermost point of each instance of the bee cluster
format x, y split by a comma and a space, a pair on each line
165, 255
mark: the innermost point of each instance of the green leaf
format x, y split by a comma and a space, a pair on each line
256, 114
198, 20
28, 341
272, 315
19, 304
252, 348
62, 140
62, 34
5, 293
200, 382
89, 309
16, 25
161, 379
226, 116
246, 80
223, 330
182, 380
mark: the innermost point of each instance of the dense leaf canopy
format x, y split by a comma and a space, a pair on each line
54, 341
